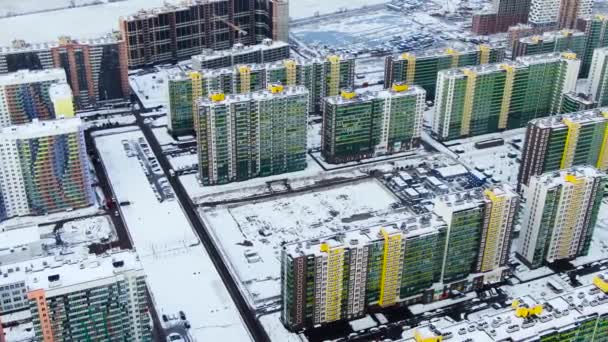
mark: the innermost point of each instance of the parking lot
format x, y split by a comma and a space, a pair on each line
160, 185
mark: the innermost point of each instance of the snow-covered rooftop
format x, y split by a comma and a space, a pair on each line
583, 117
38, 129
19, 237
33, 76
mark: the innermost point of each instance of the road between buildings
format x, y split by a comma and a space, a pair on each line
254, 327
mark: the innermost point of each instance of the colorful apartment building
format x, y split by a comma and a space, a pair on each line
502, 15
96, 69
487, 99
362, 126
100, 298
177, 32
39, 94
598, 77
551, 41
421, 68
251, 135
559, 215
596, 31
267, 51
322, 77
45, 168
418, 260
564, 141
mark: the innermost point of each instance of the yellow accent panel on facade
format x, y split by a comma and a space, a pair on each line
484, 57
391, 268
455, 56
467, 110
197, 92
601, 283
493, 231
334, 75
571, 142
64, 107
245, 72
411, 67
290, 70
334, 287
505, 106
602, 161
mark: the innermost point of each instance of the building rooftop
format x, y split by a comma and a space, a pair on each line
60, 91
273, 91
71, 269
583, 98
582, 117
168, 7
562, 177
410, 227
238, 49
33, 76
557, 314
552, 36
18, 237
457, 48
20, 46
37, 129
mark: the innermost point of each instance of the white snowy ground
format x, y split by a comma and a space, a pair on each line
300, 217
38, 220
493, 160
180, 273
96, 21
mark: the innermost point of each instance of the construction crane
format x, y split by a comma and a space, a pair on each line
234, 27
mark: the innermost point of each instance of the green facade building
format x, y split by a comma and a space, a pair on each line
598, 77
576, 102
322, 77
596, 32
421, 68
553, 41
487, 99
362, 126
251, 135
564, 141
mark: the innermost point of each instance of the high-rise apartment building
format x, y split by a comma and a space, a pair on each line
598, 77
322, 78
362, 126
551, 41
564, 141
27, 95
267, 52
504, 14
96, 69
341, 277
44, 168
571, 10
177, 32
596, 31
418, 260
252, 135
479, 232
100, 298
421, 68
559, 215
486, 99
558, 13
576, 102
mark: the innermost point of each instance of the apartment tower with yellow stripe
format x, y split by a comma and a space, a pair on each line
490, 98
563, 141
559, 215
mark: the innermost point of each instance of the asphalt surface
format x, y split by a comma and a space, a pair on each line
255, 328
